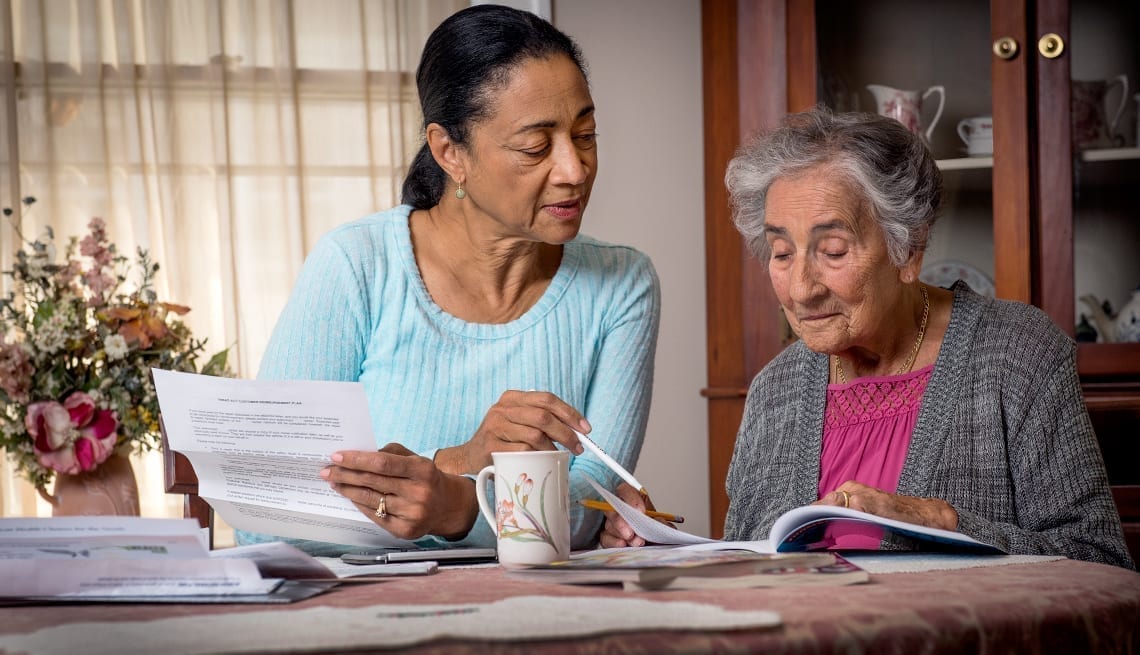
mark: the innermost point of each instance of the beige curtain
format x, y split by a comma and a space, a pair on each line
225, 136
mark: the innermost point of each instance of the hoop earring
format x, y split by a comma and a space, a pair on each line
460, 193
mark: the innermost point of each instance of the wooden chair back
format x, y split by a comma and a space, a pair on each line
178, 477
1115, 412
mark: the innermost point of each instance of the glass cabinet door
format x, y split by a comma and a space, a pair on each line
928, 65
1104, 75
1105, 70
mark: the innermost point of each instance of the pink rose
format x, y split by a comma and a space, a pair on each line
49, 424
72, 437
80, 407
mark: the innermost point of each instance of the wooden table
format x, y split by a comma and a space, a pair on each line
1052, 607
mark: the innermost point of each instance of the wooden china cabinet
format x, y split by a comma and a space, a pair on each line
1045, 219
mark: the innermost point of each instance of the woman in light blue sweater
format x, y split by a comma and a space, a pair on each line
475, 314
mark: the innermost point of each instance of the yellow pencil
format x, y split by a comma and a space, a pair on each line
606, 507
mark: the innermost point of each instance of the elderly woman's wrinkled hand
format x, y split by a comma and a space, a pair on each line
616, 533
404, 493
519, 421
930, 512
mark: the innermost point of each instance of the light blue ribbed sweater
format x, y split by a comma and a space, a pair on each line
360, 311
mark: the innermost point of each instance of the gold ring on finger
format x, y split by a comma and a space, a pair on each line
381, 509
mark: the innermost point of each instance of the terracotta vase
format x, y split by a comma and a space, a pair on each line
110, 489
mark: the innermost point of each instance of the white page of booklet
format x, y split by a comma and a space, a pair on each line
656, 532
652, 531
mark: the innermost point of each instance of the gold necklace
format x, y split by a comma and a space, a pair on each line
913, 352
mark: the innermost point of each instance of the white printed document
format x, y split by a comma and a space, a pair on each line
258, 446
96, 557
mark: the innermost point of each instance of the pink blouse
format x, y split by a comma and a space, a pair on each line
866, 433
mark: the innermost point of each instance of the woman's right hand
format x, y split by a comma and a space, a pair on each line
520, 420
418, 499
616, 533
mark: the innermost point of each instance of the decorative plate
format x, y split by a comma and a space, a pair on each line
946, 273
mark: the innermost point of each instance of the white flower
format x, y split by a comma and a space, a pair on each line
115, 346
36, 270
52, 336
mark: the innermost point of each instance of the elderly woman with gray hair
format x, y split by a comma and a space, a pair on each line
933, 406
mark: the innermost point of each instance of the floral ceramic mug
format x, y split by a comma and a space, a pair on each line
532, 497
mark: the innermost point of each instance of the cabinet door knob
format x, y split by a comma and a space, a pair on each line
1006, 47
1051, 45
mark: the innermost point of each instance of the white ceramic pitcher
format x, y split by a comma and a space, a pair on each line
906, 106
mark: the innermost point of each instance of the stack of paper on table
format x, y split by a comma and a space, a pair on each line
667, 567
132, 559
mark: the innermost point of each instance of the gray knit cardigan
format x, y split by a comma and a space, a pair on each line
1002, 435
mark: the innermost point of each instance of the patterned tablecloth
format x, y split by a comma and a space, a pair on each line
1052, 607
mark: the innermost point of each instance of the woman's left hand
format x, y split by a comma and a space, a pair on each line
616, 533
930, 512
519, 421
418, 498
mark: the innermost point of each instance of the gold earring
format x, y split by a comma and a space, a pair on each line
460, 193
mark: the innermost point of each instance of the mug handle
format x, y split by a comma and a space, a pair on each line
481, 496
941, 104
1122, 80
962, 132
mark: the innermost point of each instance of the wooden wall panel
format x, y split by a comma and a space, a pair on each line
743, 60
802, 64
723, 275
1012, 235
1053, 289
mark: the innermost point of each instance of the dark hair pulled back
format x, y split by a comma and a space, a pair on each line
468, 56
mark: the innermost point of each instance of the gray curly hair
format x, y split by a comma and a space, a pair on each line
890, 167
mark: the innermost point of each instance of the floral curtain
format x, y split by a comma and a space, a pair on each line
222, 136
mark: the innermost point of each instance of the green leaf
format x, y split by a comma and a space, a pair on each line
217, 363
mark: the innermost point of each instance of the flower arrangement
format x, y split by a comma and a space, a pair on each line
77, 341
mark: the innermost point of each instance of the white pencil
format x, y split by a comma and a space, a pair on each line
610, 462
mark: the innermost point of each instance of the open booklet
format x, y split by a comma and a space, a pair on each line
810, 527
258, 447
